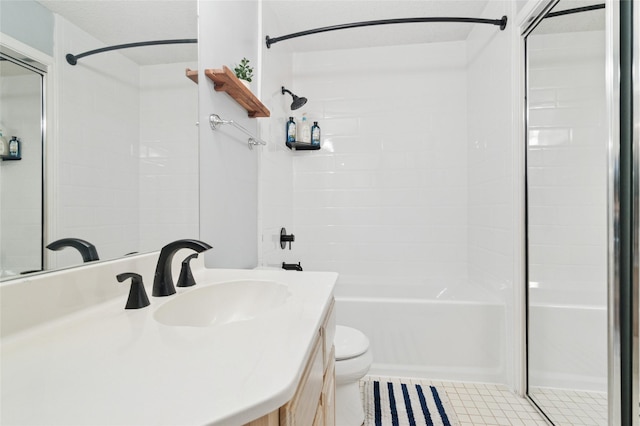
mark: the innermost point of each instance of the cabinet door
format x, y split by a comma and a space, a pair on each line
328, 333
329, 392
301, 410
271, 419
319, 419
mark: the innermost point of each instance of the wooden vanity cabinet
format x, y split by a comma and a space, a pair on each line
314, 400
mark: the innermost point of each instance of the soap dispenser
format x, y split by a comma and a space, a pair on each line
137, 294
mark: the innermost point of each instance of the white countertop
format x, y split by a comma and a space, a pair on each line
107, 365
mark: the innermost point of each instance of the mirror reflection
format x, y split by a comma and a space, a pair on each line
567, 214
20, 165
122, 156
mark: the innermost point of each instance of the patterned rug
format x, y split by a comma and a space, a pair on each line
404, 404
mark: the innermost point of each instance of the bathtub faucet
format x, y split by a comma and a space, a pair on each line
291, 266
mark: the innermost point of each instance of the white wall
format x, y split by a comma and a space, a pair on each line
490, 151
168, 155
386, 197
28, 21
21, 181
276, 161
228, 169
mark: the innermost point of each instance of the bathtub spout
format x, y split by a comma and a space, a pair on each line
291, 266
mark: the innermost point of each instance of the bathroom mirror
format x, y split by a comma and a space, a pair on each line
120, 159
566, 193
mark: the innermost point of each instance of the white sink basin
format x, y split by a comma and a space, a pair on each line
223, 303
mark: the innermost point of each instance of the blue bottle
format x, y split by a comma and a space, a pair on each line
291, 130
14, 147
315, 134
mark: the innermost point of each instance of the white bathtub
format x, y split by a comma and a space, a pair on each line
568, 339
434, 331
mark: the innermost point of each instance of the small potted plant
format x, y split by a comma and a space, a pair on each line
244, 72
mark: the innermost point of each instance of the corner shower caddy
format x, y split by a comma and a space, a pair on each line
299, 146
224, 80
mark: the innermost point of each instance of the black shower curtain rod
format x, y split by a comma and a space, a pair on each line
502, 23
574, 10
73, 59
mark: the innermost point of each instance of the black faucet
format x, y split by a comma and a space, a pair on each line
162, 281
291, 266
86, 249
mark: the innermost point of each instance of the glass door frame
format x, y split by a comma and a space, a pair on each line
623, 85
14, 52
50, 84
619, 398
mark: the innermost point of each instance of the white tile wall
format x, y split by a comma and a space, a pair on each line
490, 152
168, 155
387, 194
21, 181
276, 160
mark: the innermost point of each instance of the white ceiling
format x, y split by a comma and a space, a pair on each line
126, 21
290, 16
584, 21
129, 21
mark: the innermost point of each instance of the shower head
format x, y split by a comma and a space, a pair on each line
297, 101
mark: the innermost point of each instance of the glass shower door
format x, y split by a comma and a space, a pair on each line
567, 172
21, 172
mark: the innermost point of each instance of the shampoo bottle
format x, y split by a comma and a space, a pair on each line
14, 147
291, 130
315, 134
305, 131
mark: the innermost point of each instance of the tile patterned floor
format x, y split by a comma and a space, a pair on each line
479, 404
566, 407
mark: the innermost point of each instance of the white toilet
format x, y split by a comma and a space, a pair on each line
353, 359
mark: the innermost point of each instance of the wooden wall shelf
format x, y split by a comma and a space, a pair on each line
224, 80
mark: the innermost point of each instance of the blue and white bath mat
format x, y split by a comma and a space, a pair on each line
404, 404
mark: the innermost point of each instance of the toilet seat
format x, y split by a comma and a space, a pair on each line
349, 343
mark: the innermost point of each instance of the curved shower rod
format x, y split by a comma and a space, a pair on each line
73, 59
502, 23
575, 10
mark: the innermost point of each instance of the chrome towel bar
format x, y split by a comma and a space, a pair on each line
215, 122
